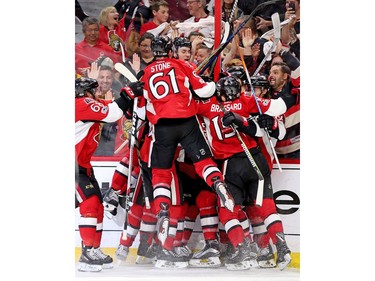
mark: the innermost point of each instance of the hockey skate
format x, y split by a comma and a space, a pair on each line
170, 259
225, 197
89, 262
238, 259
121, 253
266, 258
146, 254
110, 202
106, 259
283, 252
183, 252
252, 248
209, 256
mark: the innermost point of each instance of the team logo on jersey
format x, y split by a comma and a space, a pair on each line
114, 42
89, 100
105, 109
265, 102
89, 186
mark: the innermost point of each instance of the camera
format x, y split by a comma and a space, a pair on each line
292, 6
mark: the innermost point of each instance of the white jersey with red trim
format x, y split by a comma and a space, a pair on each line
89, 113
167, 89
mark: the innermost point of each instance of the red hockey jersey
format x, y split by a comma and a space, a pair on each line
223, 140
88, 115
168, 84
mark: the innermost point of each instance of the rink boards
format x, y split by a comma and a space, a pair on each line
286, 186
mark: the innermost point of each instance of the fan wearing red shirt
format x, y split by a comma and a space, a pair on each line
160, 12
91, 48
112, 29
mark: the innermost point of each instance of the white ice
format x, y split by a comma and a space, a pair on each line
134, 272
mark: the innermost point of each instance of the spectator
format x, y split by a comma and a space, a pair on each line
197, 12
290, 33
112, 30
109, 132
196, 39
138, 61
201, 54
91, 48
160, 12
178, 10
281, 85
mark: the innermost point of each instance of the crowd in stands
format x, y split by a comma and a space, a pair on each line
122, 33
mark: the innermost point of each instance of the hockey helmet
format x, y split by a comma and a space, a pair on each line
229, 87
260, 81
181, 42
161, 45
84, 84
239, 72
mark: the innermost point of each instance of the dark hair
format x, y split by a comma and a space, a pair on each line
155, 5
284, 67
195, 33
146, 35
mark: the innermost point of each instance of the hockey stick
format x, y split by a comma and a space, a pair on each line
259, 109
126, 72
130, 167
276, 25
259, 197
130, 76
210, 59
223, 39
121, 146
267, 35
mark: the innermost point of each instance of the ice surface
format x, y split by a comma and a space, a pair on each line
130, 272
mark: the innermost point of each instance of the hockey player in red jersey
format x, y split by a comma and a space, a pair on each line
171, 111
89, 113
240, 176
140, 219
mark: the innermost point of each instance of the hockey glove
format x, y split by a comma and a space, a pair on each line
110, 202
206, 78
137, 88
231, 118
267, 122
127, 95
